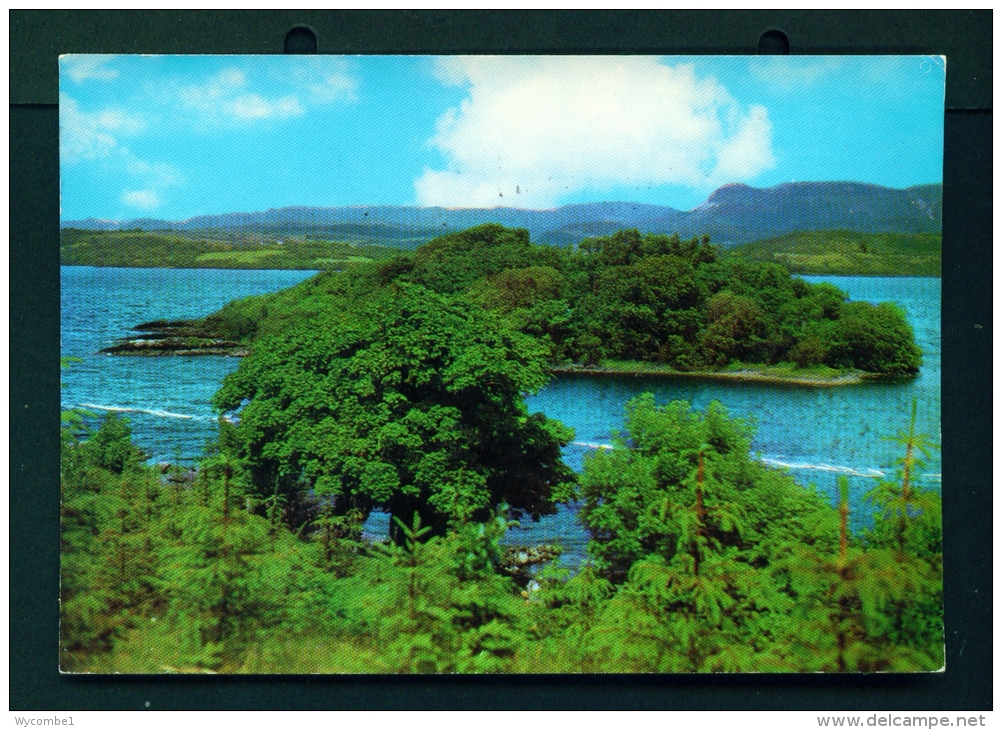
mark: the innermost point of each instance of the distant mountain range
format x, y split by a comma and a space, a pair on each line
733, 214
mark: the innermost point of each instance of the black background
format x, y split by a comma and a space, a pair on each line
38, 37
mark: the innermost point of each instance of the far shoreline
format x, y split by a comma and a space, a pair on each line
770, 375
319, 271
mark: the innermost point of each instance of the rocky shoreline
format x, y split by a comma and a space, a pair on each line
189, 337
748, 375
522, 562
182, 337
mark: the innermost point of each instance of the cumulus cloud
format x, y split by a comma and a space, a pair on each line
92, 135
83, 67
225, 98
534, 129
789, 73
748, 150
154, 179
323, 80
144, 199
97, 135
159, 175
255, 106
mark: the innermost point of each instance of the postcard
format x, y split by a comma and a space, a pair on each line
500, 364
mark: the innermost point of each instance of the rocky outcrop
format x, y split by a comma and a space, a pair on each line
183, 337
521, 563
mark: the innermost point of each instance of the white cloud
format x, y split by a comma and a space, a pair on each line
95, 136
789, 73
254, 106
224, 99
159, 175
91, 135
748, 151
534, 129
335, 87
232, 97
155, 180
323, 80
144, 199
82, 67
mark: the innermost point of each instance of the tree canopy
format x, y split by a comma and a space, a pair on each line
407, 400
399, 385
629, 296
703, 561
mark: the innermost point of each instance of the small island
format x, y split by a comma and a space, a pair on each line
625, 304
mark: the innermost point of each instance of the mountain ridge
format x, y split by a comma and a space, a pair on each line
732, 214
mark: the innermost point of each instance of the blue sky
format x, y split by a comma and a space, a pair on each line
178, 136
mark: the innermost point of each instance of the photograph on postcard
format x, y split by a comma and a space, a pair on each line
500, 364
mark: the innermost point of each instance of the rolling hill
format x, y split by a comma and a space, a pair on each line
732, 215
850, 253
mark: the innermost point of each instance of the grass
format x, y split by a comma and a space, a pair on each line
238, 257
324, 262
149, 649
210, 250
837, 252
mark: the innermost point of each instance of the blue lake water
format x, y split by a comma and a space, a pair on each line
818, 433
168, 399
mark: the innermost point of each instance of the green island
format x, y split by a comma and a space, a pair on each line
398, 386
629, 303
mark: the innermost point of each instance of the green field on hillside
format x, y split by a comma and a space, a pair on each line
848, 253
183, 250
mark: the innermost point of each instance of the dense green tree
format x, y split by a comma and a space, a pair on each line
649, 310
107, 555
690, 525
437, 605
908, 527
408, 400
628, 296
400, 385
640, 495
863, 608
875, 338
704, 560
736, 330
454, 262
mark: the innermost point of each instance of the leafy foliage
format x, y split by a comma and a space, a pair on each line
646, 496
649, 298
399, 386
407, 400
722, 565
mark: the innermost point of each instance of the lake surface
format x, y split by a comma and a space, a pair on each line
168, 399
818, 433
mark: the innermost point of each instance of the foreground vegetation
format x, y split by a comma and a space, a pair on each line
849, 253
399, 386
702, 560
193, 250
